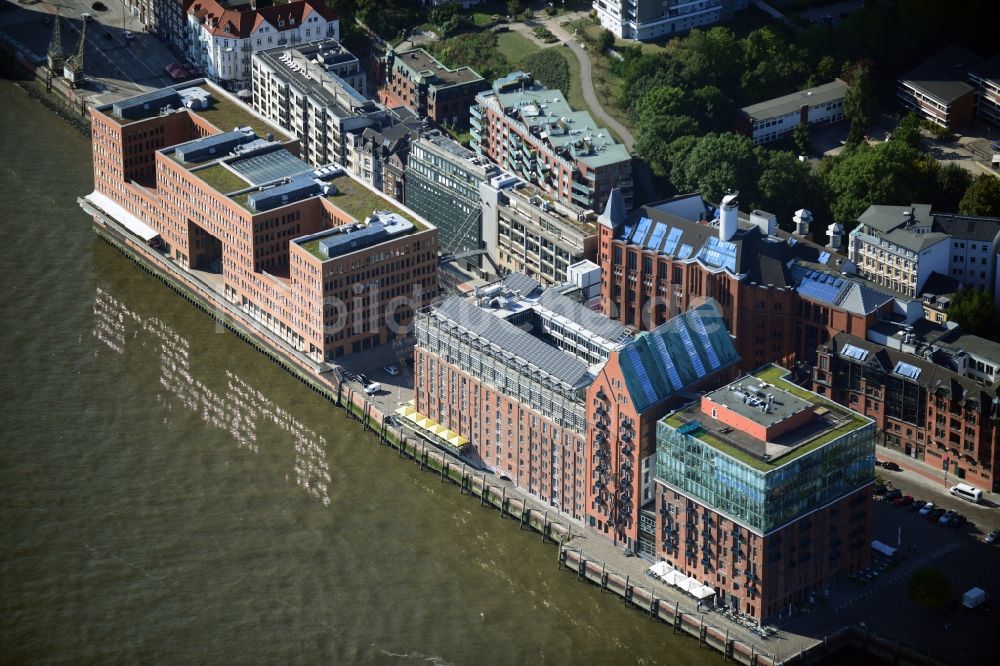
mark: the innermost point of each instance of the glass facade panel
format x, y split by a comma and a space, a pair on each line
765, 500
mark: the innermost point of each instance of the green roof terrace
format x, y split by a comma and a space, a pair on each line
829, 421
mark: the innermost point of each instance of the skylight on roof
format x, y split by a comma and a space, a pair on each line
904, 369
856, 353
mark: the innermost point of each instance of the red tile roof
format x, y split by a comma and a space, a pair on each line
243, 20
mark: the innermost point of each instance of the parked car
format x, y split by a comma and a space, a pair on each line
957, 521
878, 463
879, 489
99, 6
391, 370
916, 505
905, 500
893, 495
935, 514
992, 537
891, 466
128, 35
86, 17
946, 517
927, 508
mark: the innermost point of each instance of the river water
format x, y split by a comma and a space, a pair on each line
170, 495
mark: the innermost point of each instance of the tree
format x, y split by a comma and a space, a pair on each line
929, 588
908, 130
716, 164
982, 197
890, 173
950, 183
973, 309
514, 7
656, 136
446, 17
859, 104
785, 185
605, 40
800, 136
658, 102
712, 109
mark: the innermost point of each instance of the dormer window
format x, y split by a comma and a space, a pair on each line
228, 28
281, 23
291, 21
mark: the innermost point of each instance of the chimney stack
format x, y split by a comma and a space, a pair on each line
729, 216
836, 234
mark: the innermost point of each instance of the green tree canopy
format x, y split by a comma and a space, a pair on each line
859, 104
656, 137
605, 40
785, 185
974, 310
929, 588
548, 67
950, 183
716, 164
982, 197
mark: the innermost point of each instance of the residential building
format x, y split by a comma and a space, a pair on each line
527, 231
442, 184
315, 256
532, 132
985, 76
372, 152
170, 21
776, 118
143, 10
764, 493
650, 19
558, 398
415, 79
937, 401
780, 294
938, 88
316, 92
224, 34
900, 247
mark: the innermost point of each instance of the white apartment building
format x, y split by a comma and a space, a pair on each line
900, 247
775, 118
224, 34
650, 19
316, 92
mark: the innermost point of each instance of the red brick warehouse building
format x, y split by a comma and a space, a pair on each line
313, 254
780, 294
560, 399
417, 80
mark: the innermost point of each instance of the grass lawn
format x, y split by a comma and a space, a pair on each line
359, 201
575, 93
222, 179
226, 115
515, 46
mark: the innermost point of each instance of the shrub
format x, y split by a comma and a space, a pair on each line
549, 68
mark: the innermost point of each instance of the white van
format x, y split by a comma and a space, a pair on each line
967, 492
373, 388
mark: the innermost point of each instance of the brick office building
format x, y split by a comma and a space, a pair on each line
416, 79
934, 402
780, 294
314, 255
764, 493
558, 398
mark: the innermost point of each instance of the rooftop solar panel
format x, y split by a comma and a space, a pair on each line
685, 251
699, 328
640, 372
689, 347
824, 257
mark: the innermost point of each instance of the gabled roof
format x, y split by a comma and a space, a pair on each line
240, 22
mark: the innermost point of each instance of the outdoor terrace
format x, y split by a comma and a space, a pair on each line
830, 422
359, 201
227, 114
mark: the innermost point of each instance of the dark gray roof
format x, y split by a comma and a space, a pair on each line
965, 227
780, 106
933, 374
913, 241
940, 285
146, 104
988, 69
596, 323
887, 218
943, 75
973, 344
512, 340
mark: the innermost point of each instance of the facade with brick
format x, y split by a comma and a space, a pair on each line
931, 402
781, 295
420, 82
315, 256
766, 522
567, 410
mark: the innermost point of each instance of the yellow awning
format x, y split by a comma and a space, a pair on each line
437, 428
406, 410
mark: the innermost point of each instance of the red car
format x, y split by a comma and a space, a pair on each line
905, 500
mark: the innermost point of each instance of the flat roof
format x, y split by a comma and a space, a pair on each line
349, 238
780, 106
780, 403
937, 82
829, 422
422, 63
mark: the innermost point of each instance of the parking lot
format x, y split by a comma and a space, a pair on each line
369, 367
